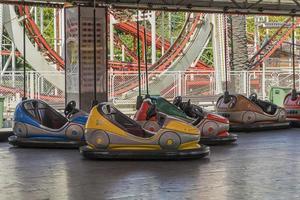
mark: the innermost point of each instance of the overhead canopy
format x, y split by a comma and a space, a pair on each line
276, 7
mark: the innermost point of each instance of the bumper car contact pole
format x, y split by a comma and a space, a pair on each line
294, 92
145, 57
24, 53
231, 43
95, 102
226, 93
139, 97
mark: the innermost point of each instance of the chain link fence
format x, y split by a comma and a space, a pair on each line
123, 86
36, 87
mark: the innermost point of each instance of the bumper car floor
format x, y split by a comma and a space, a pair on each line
262, 165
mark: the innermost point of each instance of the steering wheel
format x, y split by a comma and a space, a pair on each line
151, 112
198, 111
177, 101
70, 109
253, 97
188, 109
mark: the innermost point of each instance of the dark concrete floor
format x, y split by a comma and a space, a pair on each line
263, 165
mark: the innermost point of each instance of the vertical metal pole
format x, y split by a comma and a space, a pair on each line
245, 82
231, 45
294, 92
13, 63
111, 37
123, 53
42, 20
267, 31
163, 33
35, 15
95, 54
138, 51
145, 57
293, 53
1, 33
179, 78
31, 85
24, 52
153, 36
225, 52
217, 43
139, 98
55, 30
264, 81
256, 35
62, 32
170, 27
36, 21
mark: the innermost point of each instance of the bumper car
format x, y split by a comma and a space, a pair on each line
213, 128
251, 114
111, 134
292, 106
36, 124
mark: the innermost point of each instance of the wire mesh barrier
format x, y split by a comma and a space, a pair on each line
170, 84
196, 83
37, 87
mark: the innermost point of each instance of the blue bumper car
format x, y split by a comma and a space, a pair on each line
37, 124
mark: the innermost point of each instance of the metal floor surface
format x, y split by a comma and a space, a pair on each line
264, 165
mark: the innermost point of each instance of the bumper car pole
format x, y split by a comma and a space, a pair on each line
139, 97
24, 54
145, 57
226, 93
294, 91
95, 102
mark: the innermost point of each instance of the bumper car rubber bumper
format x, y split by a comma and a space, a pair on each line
217, 140
294, 122
89, 153
259, 126
43, 143
4, 135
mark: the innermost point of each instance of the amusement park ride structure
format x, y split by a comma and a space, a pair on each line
182, 54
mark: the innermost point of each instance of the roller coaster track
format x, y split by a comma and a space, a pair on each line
174, 52
43, 45
35, 58
184, 43
270, 46
130, 28
132, 54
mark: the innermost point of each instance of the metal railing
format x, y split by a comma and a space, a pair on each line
189, 83
200, 83
37, 87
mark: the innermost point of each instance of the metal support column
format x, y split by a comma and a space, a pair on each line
62, 32
163, 33
55, 29
263, 81
111, 37
153, 36
42, 20
218, 51
13, 64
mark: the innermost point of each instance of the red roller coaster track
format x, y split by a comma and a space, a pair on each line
275, 41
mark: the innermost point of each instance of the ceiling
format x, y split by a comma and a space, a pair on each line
271, 7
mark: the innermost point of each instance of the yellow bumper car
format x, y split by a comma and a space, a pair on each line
110, 134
